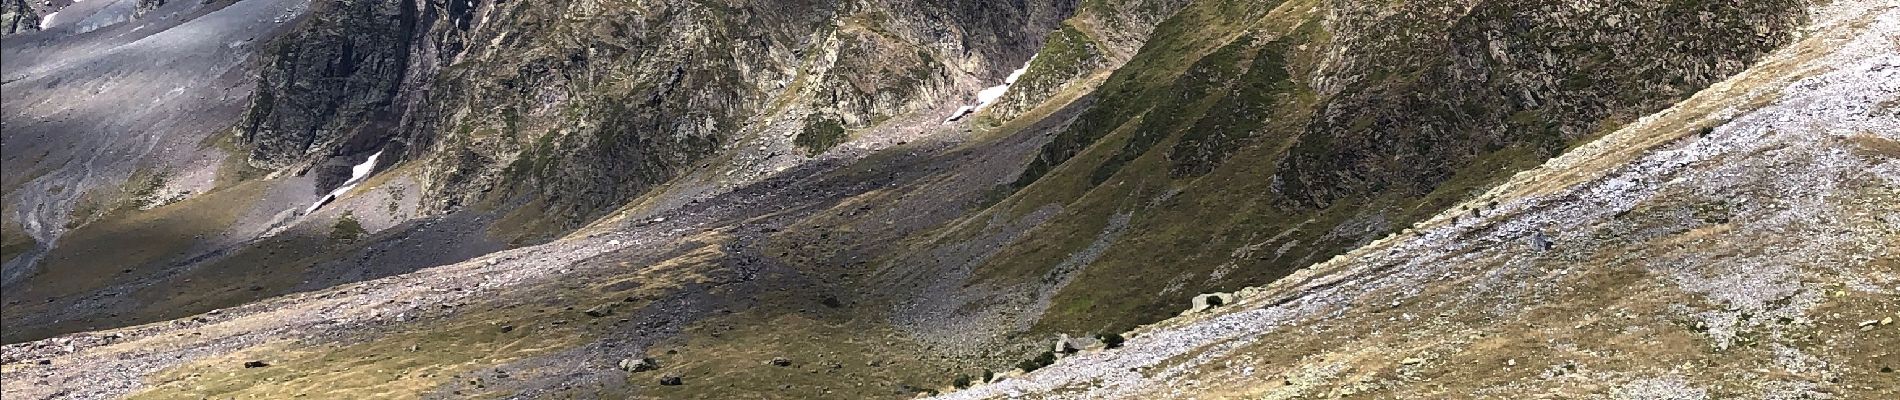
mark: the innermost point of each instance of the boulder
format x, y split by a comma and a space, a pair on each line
639, 364
1541, 242
1065, 345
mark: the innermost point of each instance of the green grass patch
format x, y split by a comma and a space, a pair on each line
1172, 67
13, 238
346, 229
821, 133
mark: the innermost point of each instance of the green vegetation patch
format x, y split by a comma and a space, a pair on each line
347, 229
1158, 77
1258, 96
821, 133
1046, 358
1067, 53
236, 166
1195, 94
13, 238
402, 364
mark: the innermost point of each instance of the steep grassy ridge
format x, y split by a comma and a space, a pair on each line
1249, 139
1730, 246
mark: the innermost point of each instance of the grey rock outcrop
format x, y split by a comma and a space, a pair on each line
642, 364
334, 79
16, 17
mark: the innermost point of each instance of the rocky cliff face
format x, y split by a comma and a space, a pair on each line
333, 80
580, 105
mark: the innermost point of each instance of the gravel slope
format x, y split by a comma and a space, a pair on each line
90, 101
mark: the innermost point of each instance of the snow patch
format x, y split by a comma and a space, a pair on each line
357, 173
961, 111
47, 21
989, 96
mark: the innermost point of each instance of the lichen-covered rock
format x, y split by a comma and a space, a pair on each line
642, 364
16, 16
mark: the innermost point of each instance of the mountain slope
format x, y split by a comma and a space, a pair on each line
785, 200
1250, 139
1732, 246
495, 124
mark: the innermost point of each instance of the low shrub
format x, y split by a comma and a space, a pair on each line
1041, 360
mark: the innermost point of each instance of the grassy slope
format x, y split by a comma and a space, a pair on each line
1188, 228
1632, 305
467, 353
119, 248
724, 356
1192, 232
1180, 138
138, 250
13, 239
395, 363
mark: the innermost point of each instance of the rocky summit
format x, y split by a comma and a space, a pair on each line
959, 199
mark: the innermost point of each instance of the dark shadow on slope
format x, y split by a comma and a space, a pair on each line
759, 280
76, 299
